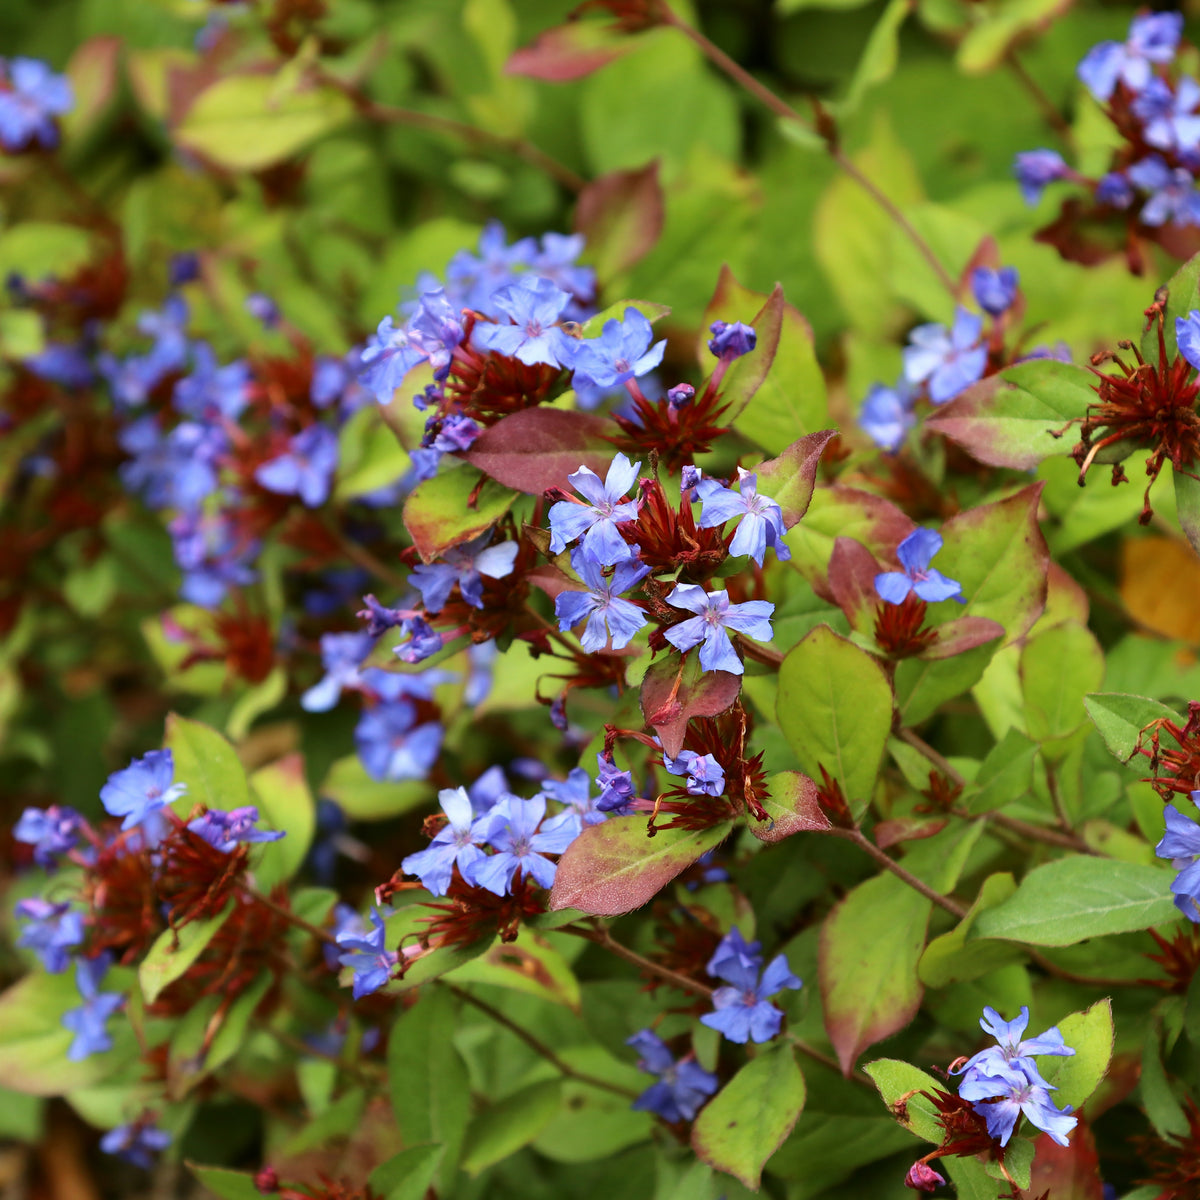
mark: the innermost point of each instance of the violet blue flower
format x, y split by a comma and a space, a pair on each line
389, 355
994, 291
65, 363
622, 352
761, 518
915, 553
224, 831
1173, 194
342, 655
607, 614
682, 1086
211, 556
1035, 169
742, 1009
368, 957
31, 96
435, 328
887, 415
212, 393
456, 845
1010, 1044
1169, 117
705, 776
1181, 844
575, 794
947, 362
53, 931
731, 339
616, 787
168, 327
141, 790
305, 469
534, 305
1114, 190
1010, 1089
715, 617
596, 522
516, 830
137, 1143
50, 831
1153, 38
390, 748
89, 1021
464, 565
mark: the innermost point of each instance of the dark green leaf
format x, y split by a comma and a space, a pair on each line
510, 1123
1121, 718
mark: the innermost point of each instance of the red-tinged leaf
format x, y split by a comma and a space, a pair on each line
1009, 419
792, 806
675, 690
962, 634
870, 945
551, 580
733, 302
905, 829
537, 448
852, 571
1070, 1172
93, 72
613, 868
451, 508
790, 479
568, 52
621, 215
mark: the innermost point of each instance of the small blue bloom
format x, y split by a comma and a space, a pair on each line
596, 522
388, 356
67, 364
50, 831
89, 1021
1010, 1089
535, 306
211, 556
515, 828
607, 615
389, 746
946, 362
31, 96
622, 352
465, 565
705, 776
436, 329
211, 393
1173, 195
368, 957
379, 618
53, 931
263, 308
742, 1010
1153, 38
1187, 334
169, 329
575, 794
616, 787
1035, 169
141, 790
1114, 190
715, 617
887, 415
682, 1086
731, 339
995, 291
1169, 117
306, 469
423, 641
915, 553
556, 261
137, 1143
224, 831
761, 518
1011, 1046
1181, 844
474, 279
456, 845
341, 655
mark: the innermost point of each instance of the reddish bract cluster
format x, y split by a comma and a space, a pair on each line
469, 914
674, 434
1179, 957
268, 1183
1175, 772
686, 939
898, 627
1174, 1161
669, 539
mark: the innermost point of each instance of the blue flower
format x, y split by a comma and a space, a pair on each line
731, 339
435, 328
211, 556
575, 793
761, 518
1181, 844
367, 956
333, 380
306, 469
915, 553
1010, 1089
137, 1143
225, 830
742, 1009
1035, 169
67, 364
388, 356
535, 306
390, 748
616, 787
89, 1021
622, 352
50, 831
887, 415
456, 844
607, 614
1153, 38
995, 291
465, 565
342, 655
1173, 195
177, 470
1114, 190
946, 362
705, 776
475, 279
168, 328
682, 1086
53, 930
709, 628
211, 393
596, 522
141, 790
31, 96
556, 261
1169, 117
1010, 1045
512, 829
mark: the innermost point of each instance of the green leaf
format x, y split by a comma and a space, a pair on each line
1090, 1034
739, 1129
249, 122
1183, 294
790, 478
1058, 668
614, 867
880, 55
924, 685
284, 802
531, 965
367, 799
512, 1122
1009, 419
409, 1174
172, 953
900, 1085
428, 1081
208, 764
652, 311
1121, 718
990, 39
438, 514
1079, 897
229, 1185
835, 709
952, 959
970, 1178
1005, 775
870, 945
1187, 507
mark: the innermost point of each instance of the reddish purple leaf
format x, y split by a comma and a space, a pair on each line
789, 479
1069, 1172
793, 807
675, 690
537, 448
962, 634
551, 580
569, 52
613, 868
621, 215
905, 829
852, 571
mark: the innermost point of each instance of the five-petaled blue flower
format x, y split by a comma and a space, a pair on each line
53, 931
1007, 1090
682, 1086
89, 1022
1181, 844
622, 352
1173, 195
136, 1143
368, 957
142, 789
50, 831
535, 306
761, 518
918, 576
1010, 1045
1169, 117
705, 776
224, 831
947, 362
887, 415
742, 1010
456, 844
342, 655
596, 522
465, 565
709, 629
389, 746
305, 469
512, 829
607, 614
575, 793
31, 96
994, 291
1153, 38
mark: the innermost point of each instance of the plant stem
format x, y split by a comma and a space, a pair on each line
1046, 106
602, 937
1057, 800
539, 1047
322, 935
783, 109
362, 557
867, 846
1100, 981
